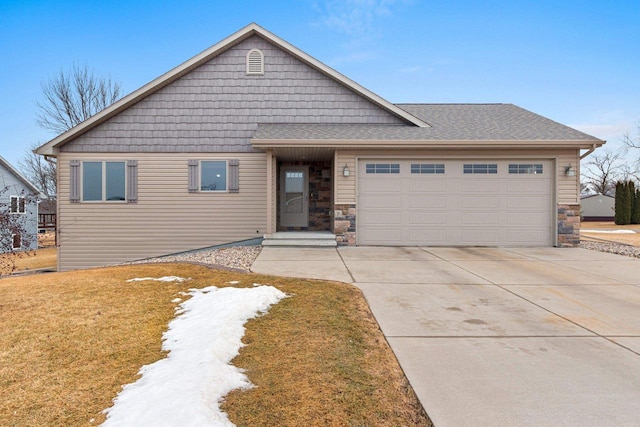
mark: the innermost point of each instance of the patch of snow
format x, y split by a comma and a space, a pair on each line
185, 388
609, 231
176, 300
234, 282
159, 279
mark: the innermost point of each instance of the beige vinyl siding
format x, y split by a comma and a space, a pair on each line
166, 218
344, 186
567, 188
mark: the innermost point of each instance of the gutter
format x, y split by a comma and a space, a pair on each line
591, 150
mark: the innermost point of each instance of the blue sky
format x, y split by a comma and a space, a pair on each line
576, 62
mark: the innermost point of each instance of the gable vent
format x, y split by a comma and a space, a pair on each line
255, 62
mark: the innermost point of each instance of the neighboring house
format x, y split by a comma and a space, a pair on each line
19, 201
597, 207
254, 136
47, 215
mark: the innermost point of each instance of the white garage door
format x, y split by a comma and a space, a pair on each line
455, 202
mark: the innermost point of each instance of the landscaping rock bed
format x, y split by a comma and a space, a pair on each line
614, 248
233, 258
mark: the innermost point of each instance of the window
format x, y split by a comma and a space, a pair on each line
427, 168
480, 168
103, 181
16, 241
213, 175
18, 204
255, 62
383, 168
525, 168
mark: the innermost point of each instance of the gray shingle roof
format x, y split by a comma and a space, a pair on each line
449, 122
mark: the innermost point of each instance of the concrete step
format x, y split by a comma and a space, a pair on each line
300, 242
300, 238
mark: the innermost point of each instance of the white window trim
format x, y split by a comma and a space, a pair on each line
18, 212
12, 240
104, 181
226, 176
249, 70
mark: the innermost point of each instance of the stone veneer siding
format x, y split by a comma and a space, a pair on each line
568, 226
320, 196
344, 224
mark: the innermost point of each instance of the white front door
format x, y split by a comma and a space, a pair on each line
294, 196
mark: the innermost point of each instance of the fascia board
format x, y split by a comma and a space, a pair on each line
341, 143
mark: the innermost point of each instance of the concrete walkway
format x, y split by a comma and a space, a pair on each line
499, 337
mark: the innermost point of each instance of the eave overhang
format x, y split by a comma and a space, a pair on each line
274, 144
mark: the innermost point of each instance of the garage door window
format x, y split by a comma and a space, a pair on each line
525, 168
480, 168
427, 168
383, 168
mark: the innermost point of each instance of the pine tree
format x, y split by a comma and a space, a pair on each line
626, 203
635, 210
622, 204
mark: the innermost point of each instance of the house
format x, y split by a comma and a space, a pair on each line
597, 207
254, 136
19, 206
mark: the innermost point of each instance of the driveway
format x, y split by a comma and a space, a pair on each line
499, 337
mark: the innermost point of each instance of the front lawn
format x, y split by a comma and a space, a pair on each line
71, 340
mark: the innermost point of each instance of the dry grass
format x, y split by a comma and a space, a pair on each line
629, 239
42, 258
70, 341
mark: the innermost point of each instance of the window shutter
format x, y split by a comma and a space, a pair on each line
132, 181
234, 176
74, 184
193, 176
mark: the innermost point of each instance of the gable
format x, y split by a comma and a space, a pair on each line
13, 181
217, 106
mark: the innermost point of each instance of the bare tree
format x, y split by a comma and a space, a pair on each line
72, 97
40, 172
69, 99
630, 142
602, 171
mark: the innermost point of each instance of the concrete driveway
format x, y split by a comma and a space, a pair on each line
499, 337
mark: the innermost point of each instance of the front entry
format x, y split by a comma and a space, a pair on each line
294, 198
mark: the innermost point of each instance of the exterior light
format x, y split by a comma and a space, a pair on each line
569, 170
345, 170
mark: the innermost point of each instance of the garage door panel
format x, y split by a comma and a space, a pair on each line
479, 218
533, 235
419, 236
526, 186
432, 202
382, 216
380, 185
481, 236
425, 185
381, 200
475, 184
481, 202
454, 209
426, 218
530, 202
388, 236
526, 219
